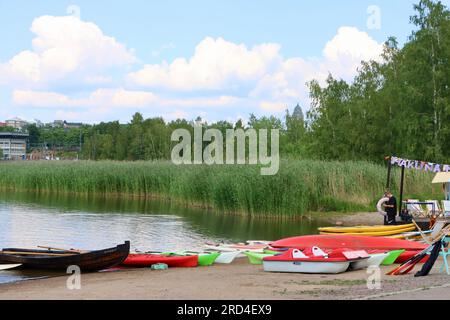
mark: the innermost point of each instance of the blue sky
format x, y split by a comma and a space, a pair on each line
231, 57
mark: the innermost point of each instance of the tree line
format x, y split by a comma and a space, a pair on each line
397, 106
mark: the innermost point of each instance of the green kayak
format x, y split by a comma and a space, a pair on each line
257, 258
390, 259
272, 252
204, 258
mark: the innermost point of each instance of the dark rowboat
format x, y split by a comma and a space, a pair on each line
61, 259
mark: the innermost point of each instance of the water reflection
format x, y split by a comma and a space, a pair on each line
86, 222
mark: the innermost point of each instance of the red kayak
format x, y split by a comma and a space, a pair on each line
146, 260
352, 242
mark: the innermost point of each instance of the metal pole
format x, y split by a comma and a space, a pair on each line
388, 183
402, 182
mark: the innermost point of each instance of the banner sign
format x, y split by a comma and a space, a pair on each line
420, 165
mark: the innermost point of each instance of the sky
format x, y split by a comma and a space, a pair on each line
93, 61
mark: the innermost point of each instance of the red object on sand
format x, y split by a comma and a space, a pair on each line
146, 260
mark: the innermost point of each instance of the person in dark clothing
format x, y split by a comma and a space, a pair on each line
391, 209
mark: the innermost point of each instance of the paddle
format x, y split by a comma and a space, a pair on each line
59, 249
424, 237
34, 253
409, 265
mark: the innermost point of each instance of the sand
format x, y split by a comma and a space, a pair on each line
239, 280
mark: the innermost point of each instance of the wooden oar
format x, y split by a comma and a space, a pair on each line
424, 237
59, 249
18, 253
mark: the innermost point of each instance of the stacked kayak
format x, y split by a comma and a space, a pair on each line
374, 231
147, 260
368, 243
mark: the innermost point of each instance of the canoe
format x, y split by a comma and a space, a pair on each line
374, 260
227, 257
351, 242
147, 260
392, 257
204, 258
257, 258
374, 233
360, 229
9, 266
294, 261
61, 259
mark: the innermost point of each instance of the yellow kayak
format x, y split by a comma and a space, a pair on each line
374, 233
364, 229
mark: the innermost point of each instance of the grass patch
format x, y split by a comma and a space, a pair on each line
299, 187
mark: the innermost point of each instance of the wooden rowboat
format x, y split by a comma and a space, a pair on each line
62, 259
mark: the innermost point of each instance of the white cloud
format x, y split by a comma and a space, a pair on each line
216, 65
273, 106
108, 98
220, 65
220, 75
65, 48
115, 98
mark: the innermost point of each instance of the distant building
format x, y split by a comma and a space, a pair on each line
16, 123
13, 145
72, 125
57, 124
2, 124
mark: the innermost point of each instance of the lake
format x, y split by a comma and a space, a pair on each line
88, 222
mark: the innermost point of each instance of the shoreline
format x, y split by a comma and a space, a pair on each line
238, 281
353, 218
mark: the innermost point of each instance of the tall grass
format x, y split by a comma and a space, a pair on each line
299, 187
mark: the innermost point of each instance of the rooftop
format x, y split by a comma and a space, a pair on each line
14, 134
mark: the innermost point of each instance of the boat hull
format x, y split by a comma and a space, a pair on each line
227, 257
306, 267
374, 260
88, 261
257, 258
373, 233
351, 242
362, 229
9, 266
147, 260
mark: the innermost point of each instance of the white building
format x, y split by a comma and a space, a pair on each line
16, 123
13, 145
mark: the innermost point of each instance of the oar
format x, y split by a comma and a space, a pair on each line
18, 253
409, 265
59, 249
424, 237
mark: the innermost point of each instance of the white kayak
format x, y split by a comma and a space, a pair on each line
374, 260
227, 257
9, 266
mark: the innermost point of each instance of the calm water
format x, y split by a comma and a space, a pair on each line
67, 221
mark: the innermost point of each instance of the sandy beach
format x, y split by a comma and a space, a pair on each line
239, 280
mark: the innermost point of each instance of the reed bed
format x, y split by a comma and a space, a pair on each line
301, 186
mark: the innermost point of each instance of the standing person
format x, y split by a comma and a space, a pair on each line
391, 209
